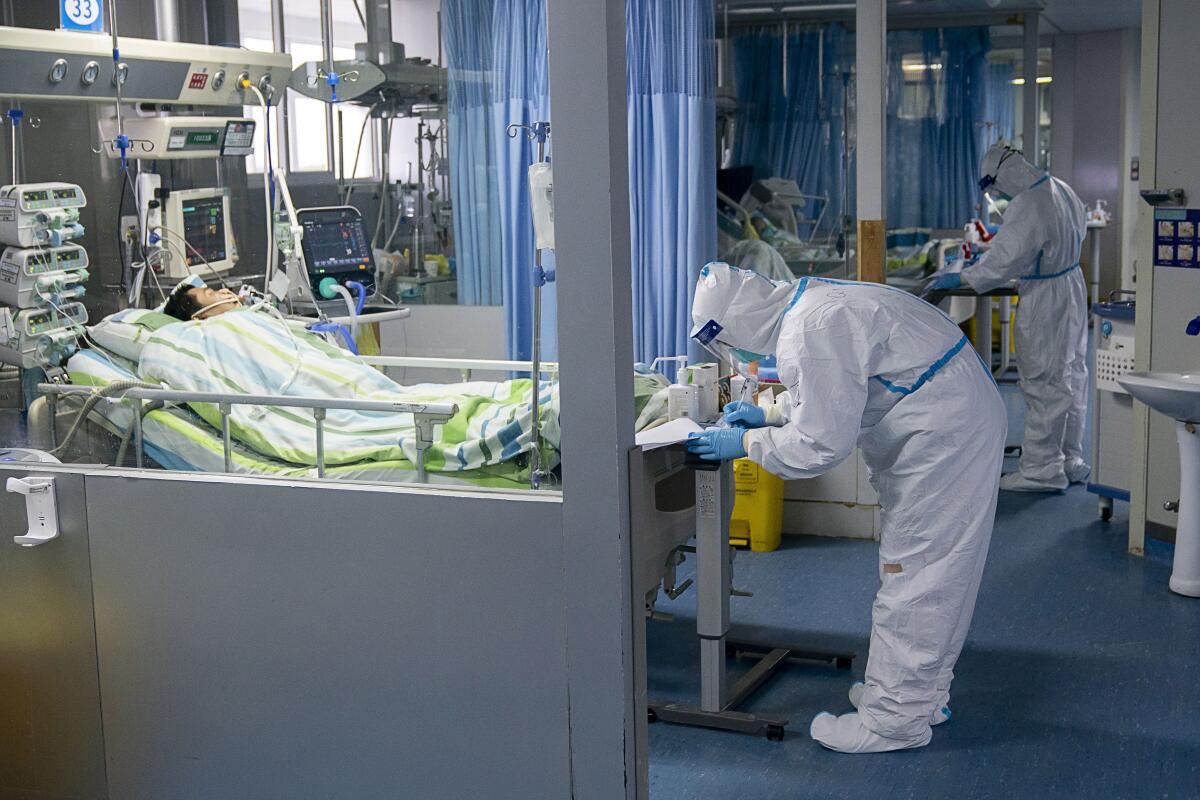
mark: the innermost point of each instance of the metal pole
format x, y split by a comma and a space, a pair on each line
13, 124
712, 575
52, 402
279, 37
341, 153
535, 455
319, 416
870, 56
785, 58
385, 170
379, 31
226, 439
166, 20
112, 24
137, 433
418, 261
327, 45
1095, 234
1029, 95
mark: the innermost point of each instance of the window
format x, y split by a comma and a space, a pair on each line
923, 92
309, 129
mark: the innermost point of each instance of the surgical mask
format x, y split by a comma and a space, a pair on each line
745, 355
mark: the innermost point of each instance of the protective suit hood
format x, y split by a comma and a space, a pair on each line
1012, 173
739, 308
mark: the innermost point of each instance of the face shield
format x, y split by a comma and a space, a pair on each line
989, 178
708, 337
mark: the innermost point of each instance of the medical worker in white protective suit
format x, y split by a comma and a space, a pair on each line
1039, 243
868, 365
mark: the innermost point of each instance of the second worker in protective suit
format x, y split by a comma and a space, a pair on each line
1039, 245
868, 365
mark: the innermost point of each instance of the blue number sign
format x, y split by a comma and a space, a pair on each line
81, 15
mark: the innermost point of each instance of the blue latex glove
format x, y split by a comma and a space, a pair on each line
741, 414
718, 444
946, 282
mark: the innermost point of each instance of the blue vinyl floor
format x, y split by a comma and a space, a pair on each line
1080, 678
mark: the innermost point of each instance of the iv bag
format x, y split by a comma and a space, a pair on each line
541, 188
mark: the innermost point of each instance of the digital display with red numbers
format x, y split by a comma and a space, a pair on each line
199, 80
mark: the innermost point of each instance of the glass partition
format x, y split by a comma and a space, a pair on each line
400, 345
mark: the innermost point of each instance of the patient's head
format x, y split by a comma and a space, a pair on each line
201, 303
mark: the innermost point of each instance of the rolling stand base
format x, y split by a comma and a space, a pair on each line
728, 718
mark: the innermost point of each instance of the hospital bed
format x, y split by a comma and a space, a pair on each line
175, 438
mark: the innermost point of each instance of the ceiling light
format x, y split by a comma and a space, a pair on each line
750, 10
1043, 79
920, 67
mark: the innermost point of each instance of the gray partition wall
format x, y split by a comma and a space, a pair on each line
591, 188
254, 638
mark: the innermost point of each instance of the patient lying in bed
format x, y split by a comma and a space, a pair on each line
224, 347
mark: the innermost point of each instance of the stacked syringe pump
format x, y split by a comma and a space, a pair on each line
42, 273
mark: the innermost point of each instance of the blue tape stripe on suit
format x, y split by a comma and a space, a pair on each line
927, 374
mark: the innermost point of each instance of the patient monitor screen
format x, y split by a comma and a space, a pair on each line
336, 245
204, 229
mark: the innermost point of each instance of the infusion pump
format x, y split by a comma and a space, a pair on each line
36, 214
40, 337
30, 277
41, 274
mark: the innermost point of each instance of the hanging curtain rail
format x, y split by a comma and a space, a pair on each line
896, 22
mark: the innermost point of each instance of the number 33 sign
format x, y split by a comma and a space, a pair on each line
81, 15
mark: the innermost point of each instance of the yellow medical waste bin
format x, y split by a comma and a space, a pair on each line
757, 519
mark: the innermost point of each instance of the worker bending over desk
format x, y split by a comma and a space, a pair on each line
1039, 245
879, 367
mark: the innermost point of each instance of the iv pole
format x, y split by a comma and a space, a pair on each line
536, 132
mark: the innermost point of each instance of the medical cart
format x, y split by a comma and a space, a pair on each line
1112, 406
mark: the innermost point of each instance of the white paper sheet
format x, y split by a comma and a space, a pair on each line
670, 433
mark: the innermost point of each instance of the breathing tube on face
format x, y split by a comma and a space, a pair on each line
225, 302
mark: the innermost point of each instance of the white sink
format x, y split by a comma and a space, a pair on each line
1178, 396
1172, 393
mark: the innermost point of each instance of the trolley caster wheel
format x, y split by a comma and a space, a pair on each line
651, 716
843, 663
1106, 508
775, 733
1106, 514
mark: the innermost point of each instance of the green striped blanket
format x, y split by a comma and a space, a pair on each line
250, 352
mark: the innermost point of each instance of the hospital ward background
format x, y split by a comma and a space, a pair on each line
599, 399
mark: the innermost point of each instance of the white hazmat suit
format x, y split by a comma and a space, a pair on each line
1039, 244
875, 366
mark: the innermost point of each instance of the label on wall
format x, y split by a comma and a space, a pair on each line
81, 15
1175, 243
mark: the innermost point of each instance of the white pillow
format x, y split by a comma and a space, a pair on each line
126, 332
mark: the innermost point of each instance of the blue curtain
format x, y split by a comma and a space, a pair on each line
934, 121
521, 95
935, 116
1000, 118
468, 40
672, 154
797, 133
671, 81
